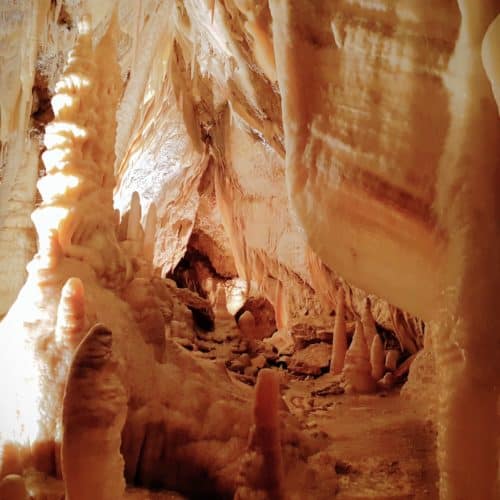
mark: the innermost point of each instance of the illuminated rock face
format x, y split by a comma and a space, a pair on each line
382, 119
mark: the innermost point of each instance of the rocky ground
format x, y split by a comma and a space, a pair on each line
384, 450
383, 447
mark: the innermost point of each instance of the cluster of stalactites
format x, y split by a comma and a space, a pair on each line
77, 191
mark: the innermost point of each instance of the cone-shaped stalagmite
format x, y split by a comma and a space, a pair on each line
368, 322
94, 411
12, 487
391, 359
134, 218
149, 233
357, 368
246, 324
339, 344
377, 358
268, 480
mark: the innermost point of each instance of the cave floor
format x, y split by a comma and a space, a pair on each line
383, 447
384, 450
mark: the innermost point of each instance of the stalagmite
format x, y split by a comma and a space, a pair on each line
357, 369
134, 218
246, 323
368, 322
94, 412
149, 233
266, 475
391, 359
339, 341
13, 487
75, 229
377, 358
79, 160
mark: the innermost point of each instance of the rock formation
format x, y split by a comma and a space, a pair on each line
377, 358
339, 341
357, 369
